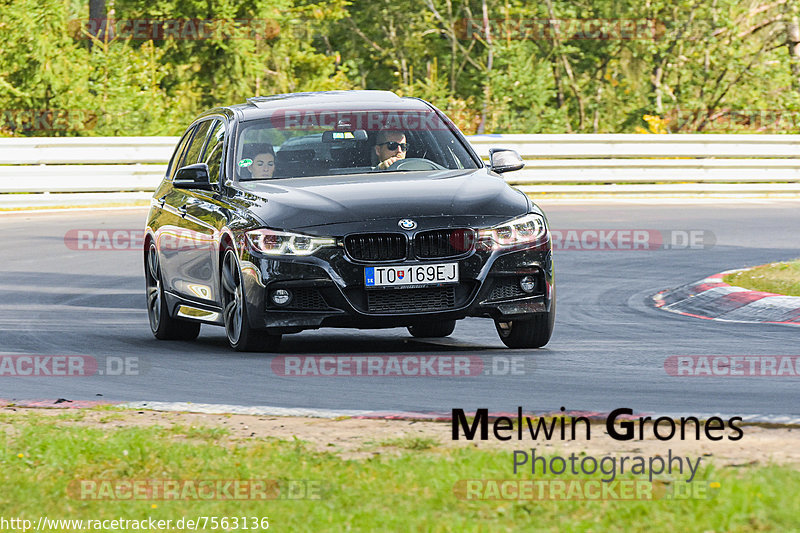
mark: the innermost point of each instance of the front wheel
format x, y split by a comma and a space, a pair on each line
441, 328
531, 332
241, 336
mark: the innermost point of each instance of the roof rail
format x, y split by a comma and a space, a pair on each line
255, 100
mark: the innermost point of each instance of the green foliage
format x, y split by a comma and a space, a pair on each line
722, 66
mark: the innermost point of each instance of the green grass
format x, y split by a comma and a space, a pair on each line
410, 489
411, 443
779, 278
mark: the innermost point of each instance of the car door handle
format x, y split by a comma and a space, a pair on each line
162, 200
182, 211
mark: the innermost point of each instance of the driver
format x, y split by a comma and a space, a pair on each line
390, 146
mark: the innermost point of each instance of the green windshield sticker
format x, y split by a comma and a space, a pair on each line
245, 162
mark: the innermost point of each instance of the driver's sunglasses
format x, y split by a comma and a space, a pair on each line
391, 145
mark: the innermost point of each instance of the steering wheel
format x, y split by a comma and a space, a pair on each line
415, 163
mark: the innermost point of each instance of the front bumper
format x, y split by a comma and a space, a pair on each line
328, 290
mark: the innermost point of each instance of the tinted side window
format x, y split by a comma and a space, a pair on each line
212, 156
173, 163
196, 145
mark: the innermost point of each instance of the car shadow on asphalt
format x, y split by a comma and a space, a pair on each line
355, 342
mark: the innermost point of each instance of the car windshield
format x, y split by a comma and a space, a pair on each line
331, 143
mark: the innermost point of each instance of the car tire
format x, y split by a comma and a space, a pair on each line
531, 332
440, 328
241, 336
163, 326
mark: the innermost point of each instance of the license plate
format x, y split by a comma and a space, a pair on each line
403, 275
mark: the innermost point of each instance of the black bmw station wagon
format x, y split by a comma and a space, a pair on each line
350, 209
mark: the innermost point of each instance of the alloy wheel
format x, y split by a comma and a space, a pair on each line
232, 297
153, 287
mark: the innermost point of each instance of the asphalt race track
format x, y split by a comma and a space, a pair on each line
608, 349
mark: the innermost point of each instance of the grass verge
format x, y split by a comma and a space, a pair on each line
409, 487
779, 278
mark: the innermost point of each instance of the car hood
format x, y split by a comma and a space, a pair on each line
299, 203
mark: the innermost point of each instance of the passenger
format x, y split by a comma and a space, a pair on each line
263, 162
390, 147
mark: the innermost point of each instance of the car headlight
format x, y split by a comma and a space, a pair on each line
520, 231
273, 242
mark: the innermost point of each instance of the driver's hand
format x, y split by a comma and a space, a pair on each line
383, 165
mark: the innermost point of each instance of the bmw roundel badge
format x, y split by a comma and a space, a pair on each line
407, 223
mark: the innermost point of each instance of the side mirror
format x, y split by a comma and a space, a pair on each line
193, 177
503, 160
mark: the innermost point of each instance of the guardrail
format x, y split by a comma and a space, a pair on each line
614, 163
652, 164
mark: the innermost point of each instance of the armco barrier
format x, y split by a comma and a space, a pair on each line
608, 163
